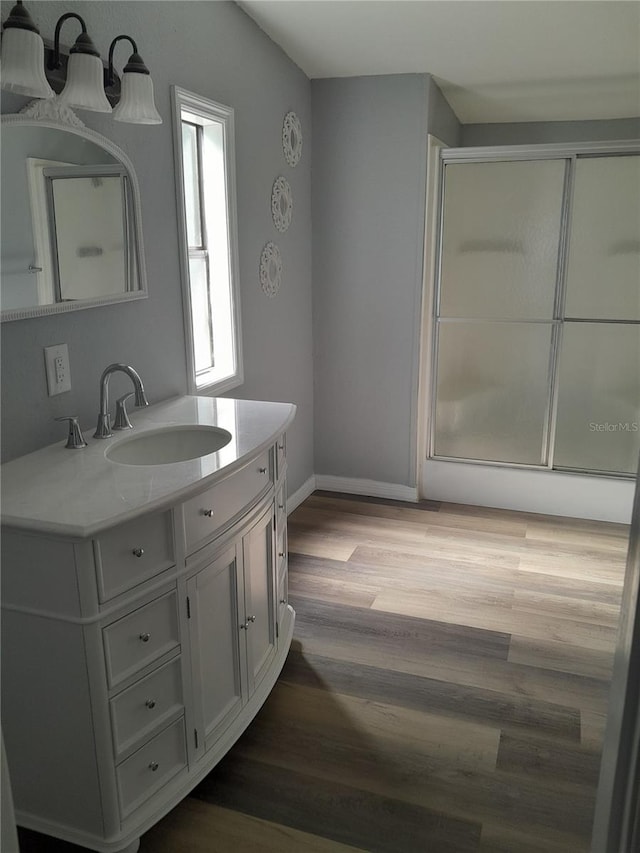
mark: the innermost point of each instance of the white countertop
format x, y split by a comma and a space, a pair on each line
80, 492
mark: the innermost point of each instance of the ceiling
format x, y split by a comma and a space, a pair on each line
495, 60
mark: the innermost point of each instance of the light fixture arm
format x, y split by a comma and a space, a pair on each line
83, 42
112, 47
135, 63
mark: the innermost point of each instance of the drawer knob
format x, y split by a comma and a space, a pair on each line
150, 703
208, 513
153, 766
280, 506
145, 637
280, 553
251, 618
283, 601
138, 552
262, 470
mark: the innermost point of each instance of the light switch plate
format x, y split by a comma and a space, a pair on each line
56, 359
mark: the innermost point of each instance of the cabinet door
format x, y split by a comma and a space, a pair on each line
259, 593
282, 587
214, 629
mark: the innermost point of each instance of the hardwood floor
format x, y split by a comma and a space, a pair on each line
446, 690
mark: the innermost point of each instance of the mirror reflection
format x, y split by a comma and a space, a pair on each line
88, 218
68, 222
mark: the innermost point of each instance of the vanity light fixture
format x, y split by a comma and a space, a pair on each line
136, 102
85, 76
37, 68
23, 56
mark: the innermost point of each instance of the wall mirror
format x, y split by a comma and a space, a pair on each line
71, 228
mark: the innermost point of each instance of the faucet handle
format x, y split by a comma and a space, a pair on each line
75, 440
122, 418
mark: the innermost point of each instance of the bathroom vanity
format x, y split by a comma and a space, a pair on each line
144, 613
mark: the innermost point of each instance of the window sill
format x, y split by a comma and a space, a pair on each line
217, 387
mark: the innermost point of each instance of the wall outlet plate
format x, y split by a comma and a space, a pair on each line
56, 360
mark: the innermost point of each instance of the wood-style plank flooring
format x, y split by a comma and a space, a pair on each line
446, 690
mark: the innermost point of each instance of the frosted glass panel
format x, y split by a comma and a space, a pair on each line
598, 425
492, 391
500, 239
604, 249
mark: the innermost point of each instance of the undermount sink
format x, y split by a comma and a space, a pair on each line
167, 445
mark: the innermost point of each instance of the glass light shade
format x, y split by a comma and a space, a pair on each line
136, 104
23, 64
85, 84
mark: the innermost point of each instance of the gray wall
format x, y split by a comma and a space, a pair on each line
213, 49
441, 119
369, 136
533, 133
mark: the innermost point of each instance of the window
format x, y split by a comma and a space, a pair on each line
205, 182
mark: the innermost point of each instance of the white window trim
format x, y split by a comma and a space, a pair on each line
182, 99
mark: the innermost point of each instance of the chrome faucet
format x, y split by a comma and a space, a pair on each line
103, 430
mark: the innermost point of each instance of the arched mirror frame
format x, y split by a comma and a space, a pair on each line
67, 121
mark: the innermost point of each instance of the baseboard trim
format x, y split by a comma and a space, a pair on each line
301, 494
593, 498
370, 488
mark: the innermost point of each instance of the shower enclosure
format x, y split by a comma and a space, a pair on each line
536, 339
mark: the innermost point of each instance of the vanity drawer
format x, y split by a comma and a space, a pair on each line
211, 510
133, 553
151, 767
141, 637
143, 708
281, 455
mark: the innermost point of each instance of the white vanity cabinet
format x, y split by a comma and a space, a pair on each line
231, 605
133, 659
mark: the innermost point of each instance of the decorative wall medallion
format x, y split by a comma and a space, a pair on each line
270, 269
292, 139
281, 203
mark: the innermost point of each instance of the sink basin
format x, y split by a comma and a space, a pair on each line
167, 445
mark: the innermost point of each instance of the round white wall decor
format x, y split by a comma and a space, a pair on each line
270, 269
292, 139
281, 203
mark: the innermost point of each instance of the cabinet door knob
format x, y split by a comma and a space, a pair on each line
208, 513
138, 552
283, 601
280, 553
145, 637
262, 470
244, 626
281, 447
251, 618
150, 703
153, 766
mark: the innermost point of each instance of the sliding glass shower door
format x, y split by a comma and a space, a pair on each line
537, 340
